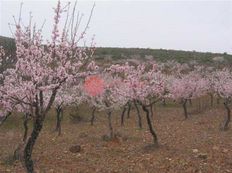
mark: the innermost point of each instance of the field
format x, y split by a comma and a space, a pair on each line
150, 94
195, 145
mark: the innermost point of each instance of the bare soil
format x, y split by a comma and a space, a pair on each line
195, 145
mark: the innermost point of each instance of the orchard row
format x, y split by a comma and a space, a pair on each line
61, 72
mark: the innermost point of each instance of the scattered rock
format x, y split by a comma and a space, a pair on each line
150, 147
75, 149
124, 138
76, 118
106, 138
195, 150
115, 140
215, 148
192, 169
224, 150
202, 156
83, 135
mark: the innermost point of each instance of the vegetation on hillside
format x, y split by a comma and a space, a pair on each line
163, 55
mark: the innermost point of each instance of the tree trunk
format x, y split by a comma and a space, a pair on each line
190, 102
185, 109
225, 125
123, 115
18, 151
111, 134
129, 109
25, 125
211, 100
57, 118
164, 102
139, 116
149, 122
151, 110
37, 127
3, 119
93, 115
218, 100
59, 115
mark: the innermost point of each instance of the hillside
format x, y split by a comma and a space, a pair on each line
108, 54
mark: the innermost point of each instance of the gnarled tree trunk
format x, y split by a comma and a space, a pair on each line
25, 125
185, 108
93, 115
151, 110
123, 115
37, 127
3, 119
128, 110
164, 102
139, 116
211, 99
111, 131
149, 122
190, 102
19, 150
218, 100
225, 125
59, 116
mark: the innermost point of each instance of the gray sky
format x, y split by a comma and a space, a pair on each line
185, 25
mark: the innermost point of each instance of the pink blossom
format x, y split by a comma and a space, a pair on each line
94, 85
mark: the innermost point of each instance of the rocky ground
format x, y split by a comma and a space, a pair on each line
195, 145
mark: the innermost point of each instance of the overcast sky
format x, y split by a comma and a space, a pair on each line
186, 25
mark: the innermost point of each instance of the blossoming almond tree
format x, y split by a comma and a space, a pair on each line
68, 95
150, 93
123, 70
103, 93
187, 86
222, 86
71, 93
93, 87
42, 69
144, 85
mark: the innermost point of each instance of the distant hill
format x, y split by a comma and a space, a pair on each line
115, 55
7, 43
160, 55
9, 47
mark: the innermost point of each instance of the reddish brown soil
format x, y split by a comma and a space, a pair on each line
195, 145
